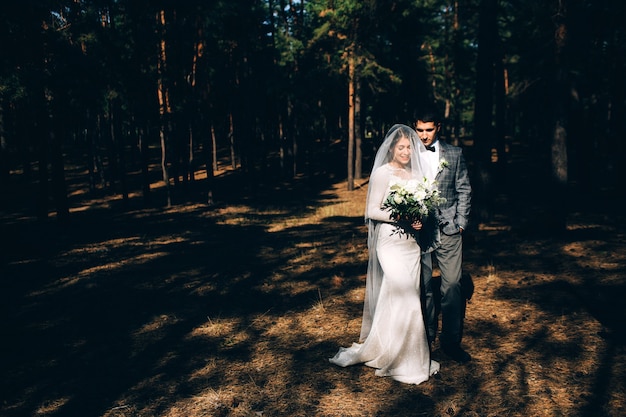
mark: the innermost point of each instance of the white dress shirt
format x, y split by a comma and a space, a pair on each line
430, 161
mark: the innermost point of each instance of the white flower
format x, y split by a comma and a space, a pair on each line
420, 195
411, 185
442, 164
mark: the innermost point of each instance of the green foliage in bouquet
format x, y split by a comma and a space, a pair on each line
412, 200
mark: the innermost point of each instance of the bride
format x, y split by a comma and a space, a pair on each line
393, 336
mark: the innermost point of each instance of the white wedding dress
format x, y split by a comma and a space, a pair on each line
393, 330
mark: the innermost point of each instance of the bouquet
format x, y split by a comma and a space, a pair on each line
411, 200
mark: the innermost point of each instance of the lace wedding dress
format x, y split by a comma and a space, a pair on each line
393, 333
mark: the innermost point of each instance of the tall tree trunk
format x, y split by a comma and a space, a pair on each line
43, 189
91, 152
165, 111
358, 155
145, 160
294, 148
100, 179
293, 135
43, 154
558, 146
500, 116
4, 160
166, 178
118, 151
189, 160
231, 140
59, 188
457, 104
195, 91
351, 83
282, 140
213, 160
616, 109
483, 117
288, 141
210, 149
112, 168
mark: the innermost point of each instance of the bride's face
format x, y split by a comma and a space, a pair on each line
402, 151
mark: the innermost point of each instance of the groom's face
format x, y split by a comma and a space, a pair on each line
427, 131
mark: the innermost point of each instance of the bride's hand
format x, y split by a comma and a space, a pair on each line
417, 225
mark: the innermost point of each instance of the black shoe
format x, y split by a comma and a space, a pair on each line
457, 353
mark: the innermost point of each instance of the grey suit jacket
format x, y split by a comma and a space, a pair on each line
454, 185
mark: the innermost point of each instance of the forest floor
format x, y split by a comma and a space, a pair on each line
234, 310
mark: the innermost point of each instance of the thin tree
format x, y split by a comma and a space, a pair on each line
358, 135
351, 111
165, 109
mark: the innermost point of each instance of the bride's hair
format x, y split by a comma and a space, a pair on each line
395, 133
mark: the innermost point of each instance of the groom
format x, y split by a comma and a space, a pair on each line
445, 164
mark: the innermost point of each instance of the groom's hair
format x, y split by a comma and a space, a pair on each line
427, 114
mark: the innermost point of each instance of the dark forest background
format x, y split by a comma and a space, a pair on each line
182, 187
273, 90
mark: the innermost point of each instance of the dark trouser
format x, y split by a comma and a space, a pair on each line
449, 257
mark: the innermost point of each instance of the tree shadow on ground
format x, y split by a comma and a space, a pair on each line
104, 305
